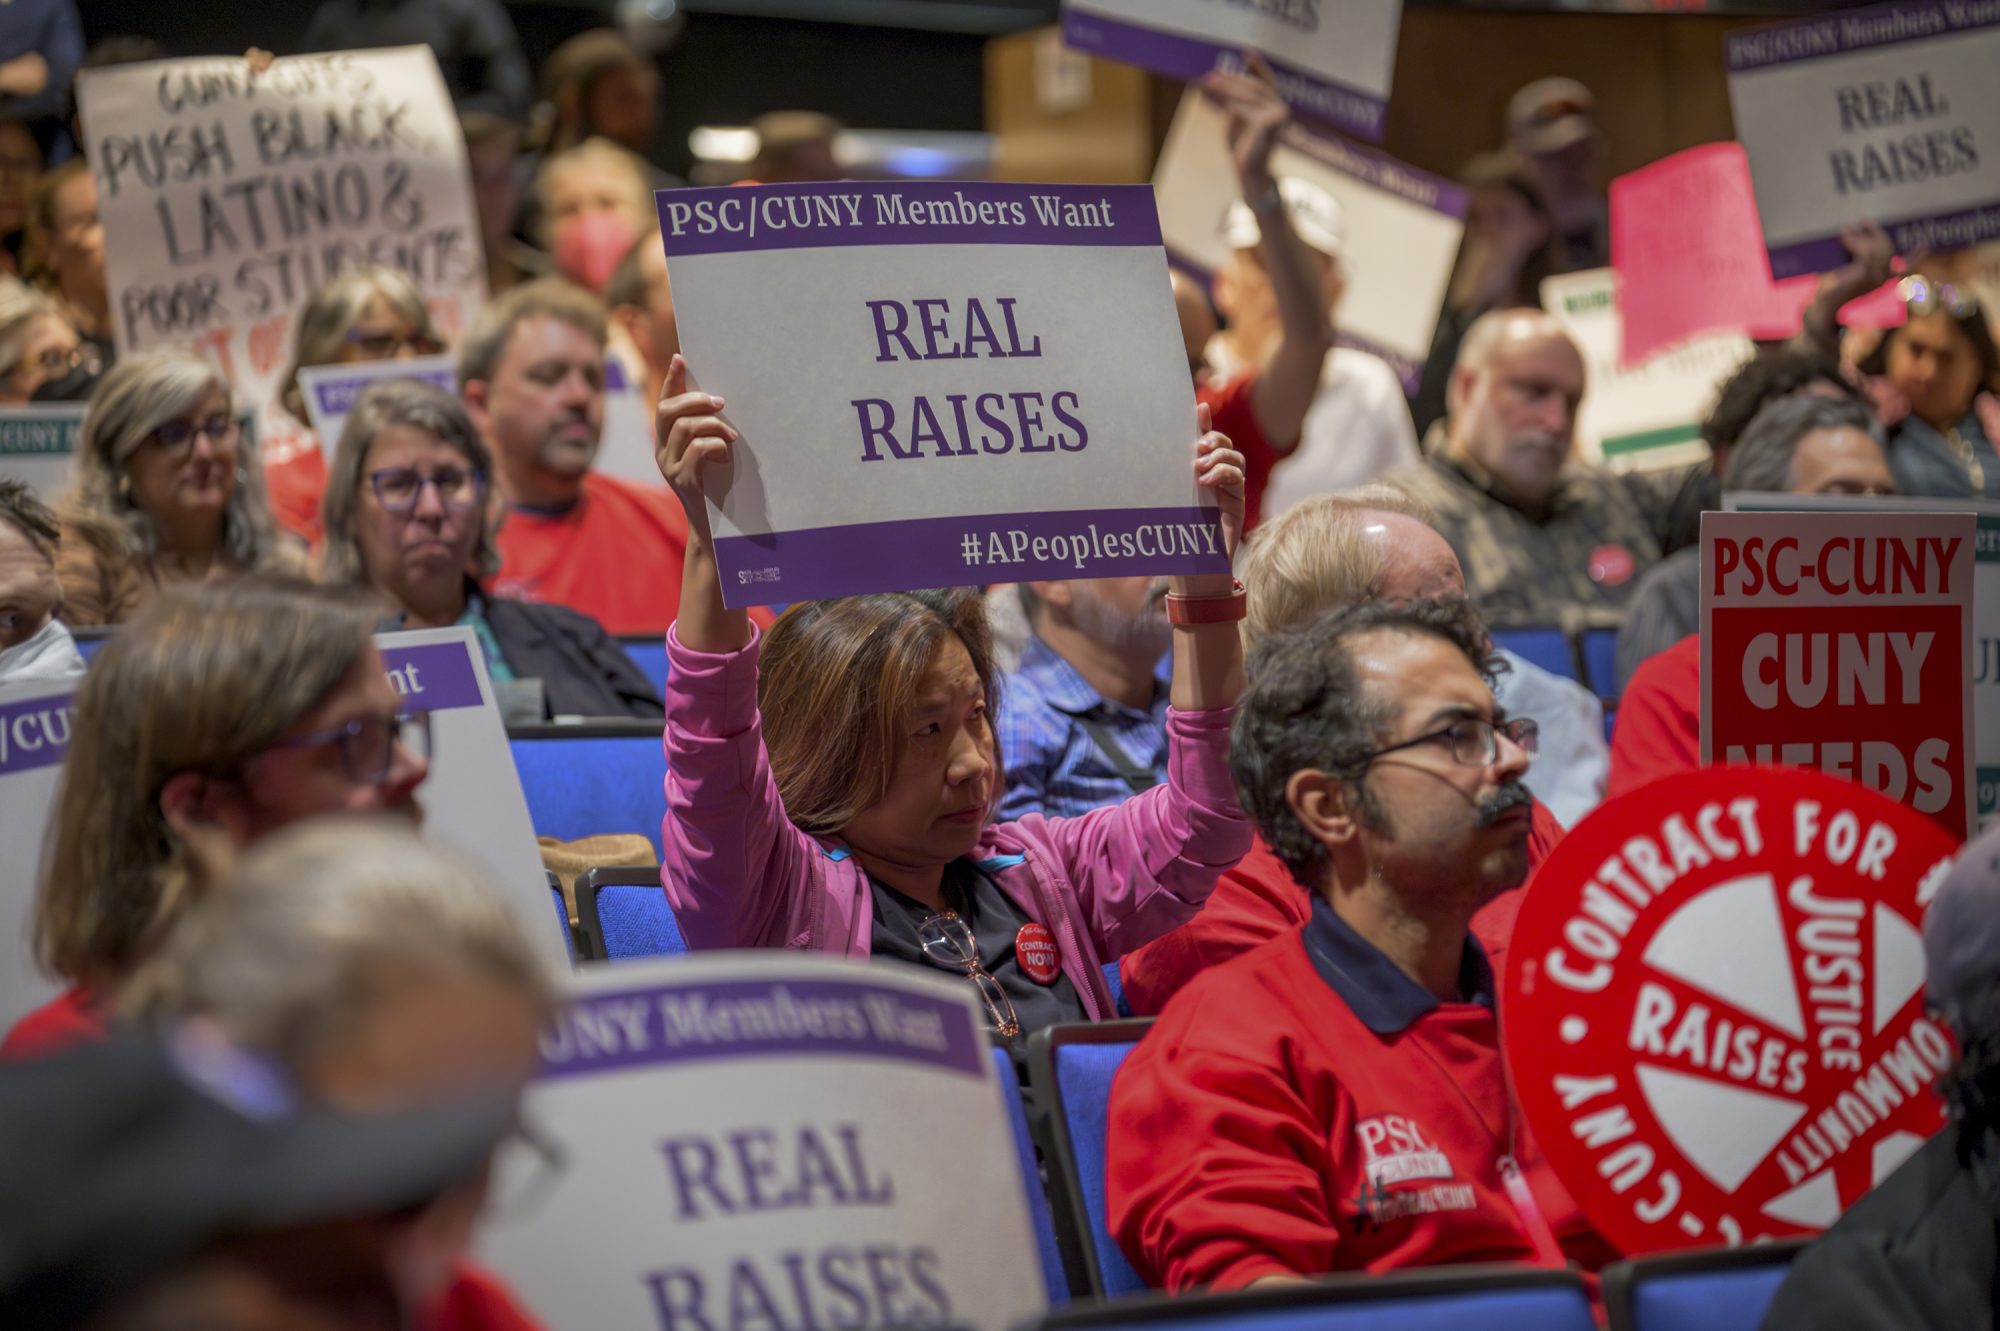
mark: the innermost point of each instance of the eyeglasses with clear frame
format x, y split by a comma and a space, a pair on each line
947, 941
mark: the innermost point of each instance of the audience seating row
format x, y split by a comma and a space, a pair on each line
1589, 657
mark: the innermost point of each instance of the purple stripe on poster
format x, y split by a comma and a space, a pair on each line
35, 733
1380, 170
1943, 231
824, 562
1857, 30
692, 1023
736, 218
614, 375
434, 678
336, 396
1186, 57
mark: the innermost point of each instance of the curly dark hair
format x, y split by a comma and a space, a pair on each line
1306, 709
1762, 381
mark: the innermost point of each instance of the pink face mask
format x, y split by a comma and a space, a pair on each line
589, 247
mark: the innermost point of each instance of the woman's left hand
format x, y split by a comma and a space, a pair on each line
1218, 468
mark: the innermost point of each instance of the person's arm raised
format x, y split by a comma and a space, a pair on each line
693, 436
1208, 658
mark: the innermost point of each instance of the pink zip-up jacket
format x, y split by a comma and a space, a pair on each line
740, 875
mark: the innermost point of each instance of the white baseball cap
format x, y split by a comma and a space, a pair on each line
1315, 214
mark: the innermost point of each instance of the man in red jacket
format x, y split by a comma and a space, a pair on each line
1335, 1100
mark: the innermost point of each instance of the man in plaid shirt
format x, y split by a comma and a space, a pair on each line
1083, 721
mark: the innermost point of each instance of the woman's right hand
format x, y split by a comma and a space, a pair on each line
689, 436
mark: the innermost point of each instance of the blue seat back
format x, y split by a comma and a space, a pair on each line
1679, 1294
89, 641
1547, 647
588, 780
1430, 1299
624, 913
649, 652
1081, 1103
1600, 664
1031, 1178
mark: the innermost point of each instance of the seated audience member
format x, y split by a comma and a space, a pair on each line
595, 200
1328, 553
37, 345
162, 491
64, 253
477, 49
493, 151
1083, 718
795, 147
1246, 1136
1552, 133
365, 314
532, 373
1543, 539
598, 85
220, 713
20, 167
1920, 1249
644, 331
407, 516
34, 643
833, 789
156, 1184
378, 975
1806, 445
1944, 366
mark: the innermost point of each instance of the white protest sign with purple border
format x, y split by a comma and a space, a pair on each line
1333, 59
330, 390
770, 1138
35, 719
1888, 114
1402, 226
37, 442
938, 383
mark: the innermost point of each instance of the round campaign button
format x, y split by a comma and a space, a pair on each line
1035, 950
1713, 1009
1612, 565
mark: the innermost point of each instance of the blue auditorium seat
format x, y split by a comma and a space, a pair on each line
624, 913
1718, 1289
649, 652
1548, 648
586, 780
1031, 1178
88, 641
1071, 1065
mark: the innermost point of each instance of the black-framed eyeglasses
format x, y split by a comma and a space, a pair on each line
947, 941
1921, 296
1473, 740
398, 489
176, 438
368, 744
387, 346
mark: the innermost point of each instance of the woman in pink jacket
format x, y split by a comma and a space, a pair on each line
861, 824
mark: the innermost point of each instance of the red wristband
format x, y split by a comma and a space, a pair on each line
1189, 611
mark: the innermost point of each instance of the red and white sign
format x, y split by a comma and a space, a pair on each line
1713, 1011
1843, 641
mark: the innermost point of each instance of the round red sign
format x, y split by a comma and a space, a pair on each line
1713, 1008
1035, 950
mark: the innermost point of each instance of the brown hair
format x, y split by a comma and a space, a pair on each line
480, 350
838, 680
36, 266
203, 679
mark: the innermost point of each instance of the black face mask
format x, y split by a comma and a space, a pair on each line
72, 387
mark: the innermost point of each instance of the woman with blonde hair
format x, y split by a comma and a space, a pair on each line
36, 343
595, 200
164, 491
372, 313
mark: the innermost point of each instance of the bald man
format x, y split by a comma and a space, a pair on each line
1544, 538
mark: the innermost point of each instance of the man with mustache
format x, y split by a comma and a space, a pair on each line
1335, 1099
1083, 719
1544, 538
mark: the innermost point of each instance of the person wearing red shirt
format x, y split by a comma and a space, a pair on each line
1659, 718
1335, 1100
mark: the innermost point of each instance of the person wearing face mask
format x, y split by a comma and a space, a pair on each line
377, 975
163, 492
833, 787
407, 516
1543, 539
221, 713
1335, 1100
371, 313
34, 643
37, 345
595, 200
1942, 370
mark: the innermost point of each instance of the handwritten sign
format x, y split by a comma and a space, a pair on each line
228, 199
820, 1142
1888, 113
1843, 641
37, 443
1646, 415
1714, 1005
939, 383
1331, 61
1403, 226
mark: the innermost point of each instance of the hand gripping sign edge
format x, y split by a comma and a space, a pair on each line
1716, 1036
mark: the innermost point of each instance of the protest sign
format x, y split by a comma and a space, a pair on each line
775, 1139
1331, 62
1985, 609
1843, 641
1647, 415
228, 198
626, 449
1886, 114
35, 719
938, 383
1402, 226
37, 443
330, 390
1713, 1010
